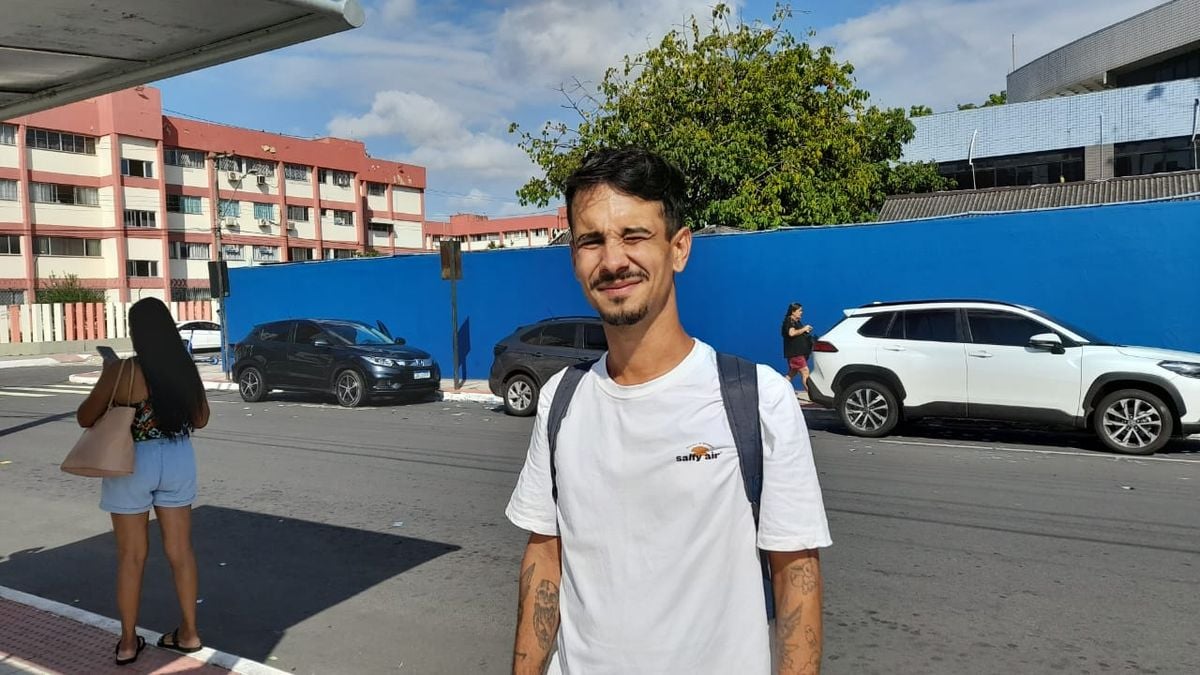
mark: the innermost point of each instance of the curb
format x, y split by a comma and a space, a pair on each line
88, 378
471, 397
230, 662
209, 385
74, 359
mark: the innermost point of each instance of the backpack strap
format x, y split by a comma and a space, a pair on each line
739, 393
558, 410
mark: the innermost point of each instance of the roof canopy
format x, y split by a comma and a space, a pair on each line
54, 52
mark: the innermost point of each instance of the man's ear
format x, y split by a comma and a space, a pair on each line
681, 249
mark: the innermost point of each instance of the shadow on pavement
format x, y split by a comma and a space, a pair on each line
36, 423
259, 574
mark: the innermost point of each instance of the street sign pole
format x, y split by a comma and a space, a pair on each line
452, 270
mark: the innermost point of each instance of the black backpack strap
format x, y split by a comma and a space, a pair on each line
739, 393
558, 410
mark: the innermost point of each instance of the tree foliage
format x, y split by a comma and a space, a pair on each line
1000, 98
769, 130
68, 289
920, 111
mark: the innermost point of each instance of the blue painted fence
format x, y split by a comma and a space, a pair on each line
1129, 273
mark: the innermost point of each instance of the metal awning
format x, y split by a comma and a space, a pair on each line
54, 52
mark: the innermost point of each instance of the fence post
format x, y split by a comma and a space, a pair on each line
26, 324
60, 333
110, 319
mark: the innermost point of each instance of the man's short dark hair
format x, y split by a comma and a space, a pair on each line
632, 171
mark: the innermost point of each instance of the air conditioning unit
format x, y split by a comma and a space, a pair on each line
264, 223
262, 180
339, 221
234, 177
231, 223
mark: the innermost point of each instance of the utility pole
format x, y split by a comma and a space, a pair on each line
220, 256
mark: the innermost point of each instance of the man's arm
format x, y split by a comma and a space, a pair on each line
537, 605
796, 577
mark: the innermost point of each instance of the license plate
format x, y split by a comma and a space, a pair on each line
421, 375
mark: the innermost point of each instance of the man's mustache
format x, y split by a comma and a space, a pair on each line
607, 278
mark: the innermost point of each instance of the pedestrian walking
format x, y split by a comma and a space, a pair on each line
647, 507
797, 343
162, 385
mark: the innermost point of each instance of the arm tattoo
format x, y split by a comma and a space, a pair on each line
545, 613
803, 576
788, 648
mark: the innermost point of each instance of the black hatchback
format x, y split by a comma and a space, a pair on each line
532, 354
349, 359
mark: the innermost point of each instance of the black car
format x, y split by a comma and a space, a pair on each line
349, 359
532, 354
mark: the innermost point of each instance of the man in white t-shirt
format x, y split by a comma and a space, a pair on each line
647, 561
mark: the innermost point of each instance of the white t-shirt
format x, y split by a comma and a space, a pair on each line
660, 564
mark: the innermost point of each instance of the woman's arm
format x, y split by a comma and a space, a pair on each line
96, 403
200, 417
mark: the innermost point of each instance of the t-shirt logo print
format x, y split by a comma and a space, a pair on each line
698, 453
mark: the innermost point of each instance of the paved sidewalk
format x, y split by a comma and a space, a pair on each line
48, 638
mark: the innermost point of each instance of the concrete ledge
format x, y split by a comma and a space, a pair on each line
75, 347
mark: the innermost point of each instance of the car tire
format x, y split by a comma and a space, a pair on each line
520, 396
349, 388
868, 408
1133, 422
252, 385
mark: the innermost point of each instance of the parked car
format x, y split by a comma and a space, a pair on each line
202, 335
532, 354
888, 362
351, 360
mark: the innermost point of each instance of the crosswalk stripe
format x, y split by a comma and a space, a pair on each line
24, 395
70, 387
42, 390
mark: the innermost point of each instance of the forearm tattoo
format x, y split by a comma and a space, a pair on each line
545, 613
803, 575
799, 644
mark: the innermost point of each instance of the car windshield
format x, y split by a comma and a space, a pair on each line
356, 333
1088, 336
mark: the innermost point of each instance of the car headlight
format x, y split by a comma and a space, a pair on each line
1184, 368
379, 361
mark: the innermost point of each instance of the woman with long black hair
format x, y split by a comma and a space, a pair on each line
162, 385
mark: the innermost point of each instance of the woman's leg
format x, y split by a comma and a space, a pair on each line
176, 525
132, 543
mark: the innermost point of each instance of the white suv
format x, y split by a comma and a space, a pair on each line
991, 360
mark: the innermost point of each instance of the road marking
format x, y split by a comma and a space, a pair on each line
1032, 451
23, 394
41, 390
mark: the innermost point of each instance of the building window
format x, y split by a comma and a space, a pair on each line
188, 294
181, 250
1161, 155
141, 268
300, 253
232, 251
188, 159
10, 244
266, 253
296, 172
260, 168
380, 228
137, 168
54, 193
8, 190
68, 247
12, 296
183, 204
53, 140
1062, 166
139, 218
264, 212
377, 189
298, 213
339, 217
228, 208
8, 134
338, 253
338, 178
229, 163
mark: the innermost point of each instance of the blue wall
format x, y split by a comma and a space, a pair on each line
1128, 273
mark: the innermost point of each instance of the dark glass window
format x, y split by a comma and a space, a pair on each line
274, 332
307, 333
932, 325
593, 337
1002, 328
558, 335
1160, 155
1039, 168
877, 326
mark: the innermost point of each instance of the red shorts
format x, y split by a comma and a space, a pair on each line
797, 363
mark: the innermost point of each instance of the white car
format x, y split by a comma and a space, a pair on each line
204, 335
886, 362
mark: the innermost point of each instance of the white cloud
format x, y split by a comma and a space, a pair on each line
944, 52
398, 10
478, 201
418, 118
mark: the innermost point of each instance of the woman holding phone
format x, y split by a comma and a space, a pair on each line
162, 385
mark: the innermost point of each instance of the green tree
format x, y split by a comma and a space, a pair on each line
769, 130
920, 111
1000, 98
68, 289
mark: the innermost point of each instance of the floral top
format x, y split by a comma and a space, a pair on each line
145, 423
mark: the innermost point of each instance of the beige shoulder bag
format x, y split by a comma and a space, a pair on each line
106, 449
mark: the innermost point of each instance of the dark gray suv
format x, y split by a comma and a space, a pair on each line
532, 354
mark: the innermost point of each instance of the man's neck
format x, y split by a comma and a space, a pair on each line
650, 349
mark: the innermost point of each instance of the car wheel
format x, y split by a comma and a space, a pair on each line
348, 388
868, 408
520, 396
252, 385
1133, 421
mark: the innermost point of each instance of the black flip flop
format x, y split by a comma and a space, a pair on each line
174, 646
141, 644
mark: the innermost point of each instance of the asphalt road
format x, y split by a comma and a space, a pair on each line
374, 541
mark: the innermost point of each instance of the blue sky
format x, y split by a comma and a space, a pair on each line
437, 82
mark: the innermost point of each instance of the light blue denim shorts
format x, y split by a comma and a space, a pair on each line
164, 474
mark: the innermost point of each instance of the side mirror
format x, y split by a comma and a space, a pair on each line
320, 342
1047, 342
401, 341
